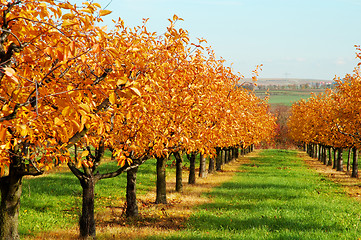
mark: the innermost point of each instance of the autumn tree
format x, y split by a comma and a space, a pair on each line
57, 78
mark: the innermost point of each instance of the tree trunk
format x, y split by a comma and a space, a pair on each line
223, 156
340, 160
229, 151
334, 158
202, 166
319, 153
161, 196
329, 163
178, 178
87, 222
192, 168
211, 165
355, 163
348, 167
219, 159
131, 195
10, 205
324, 155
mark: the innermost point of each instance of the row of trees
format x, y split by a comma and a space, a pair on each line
331, 121
70, 90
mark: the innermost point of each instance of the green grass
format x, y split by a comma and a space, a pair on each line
277, 197
54, 201
287, 97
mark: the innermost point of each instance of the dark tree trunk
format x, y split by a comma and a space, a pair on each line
329, 163
348, 166
219, 159
202, 166
178, 178
87, 222
10, 205
192, 168
131, 195
211, 165
161, 196
340, 160
237, 152
334, 158
324, 155
229, 151
223, 156
354, 163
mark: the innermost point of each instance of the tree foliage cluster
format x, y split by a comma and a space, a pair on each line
330, 120
71, 89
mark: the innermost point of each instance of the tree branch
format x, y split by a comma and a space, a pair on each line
125, 168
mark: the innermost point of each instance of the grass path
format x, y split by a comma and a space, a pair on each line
276, 196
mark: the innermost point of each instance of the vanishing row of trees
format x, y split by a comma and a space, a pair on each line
330, 122
70, 90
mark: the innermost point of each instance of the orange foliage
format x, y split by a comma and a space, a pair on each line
70, 82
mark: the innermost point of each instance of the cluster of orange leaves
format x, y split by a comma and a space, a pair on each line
331, 118
76, 83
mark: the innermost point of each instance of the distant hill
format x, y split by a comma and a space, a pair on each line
286, 81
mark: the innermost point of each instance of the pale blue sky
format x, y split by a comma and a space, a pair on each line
291, 38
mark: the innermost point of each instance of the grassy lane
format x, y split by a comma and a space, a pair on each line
276, 197
53, 201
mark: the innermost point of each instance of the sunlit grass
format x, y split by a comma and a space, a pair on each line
53, 201
276, 198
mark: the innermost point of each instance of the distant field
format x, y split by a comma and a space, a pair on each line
287, 97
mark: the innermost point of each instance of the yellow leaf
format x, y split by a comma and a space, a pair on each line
11, 73
84, 154
78, 164
65, 111
104, 12
58, 121
68, 23
122, 163
2, 133
96, 48
136, 91
85, 107
23, 130
76, 125
87, 10
122, 81
68, 16
83, 58
112, 98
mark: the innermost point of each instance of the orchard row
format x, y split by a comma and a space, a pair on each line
70, 89
331, 121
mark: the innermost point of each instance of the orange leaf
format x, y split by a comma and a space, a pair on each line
136, 91
112, 98
2, 133
104, 12
58, 121
11, 73
96, 48
84, 153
